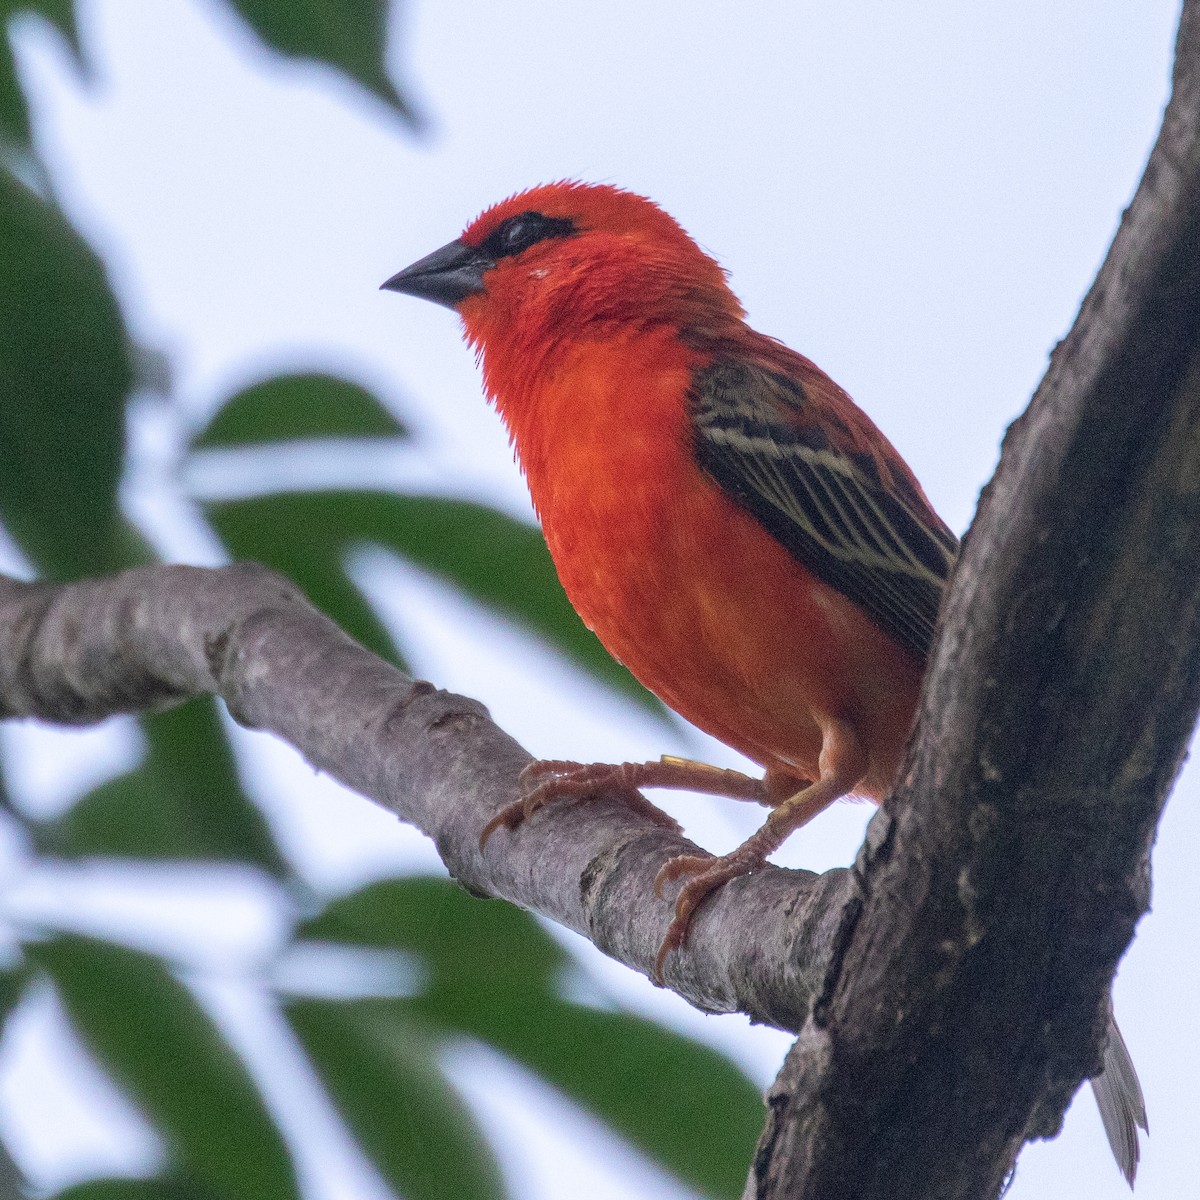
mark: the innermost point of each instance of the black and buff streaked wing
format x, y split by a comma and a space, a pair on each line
876, 542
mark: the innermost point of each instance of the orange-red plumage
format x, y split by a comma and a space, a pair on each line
731, 525
590, 366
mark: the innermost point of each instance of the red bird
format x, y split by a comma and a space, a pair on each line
733, 527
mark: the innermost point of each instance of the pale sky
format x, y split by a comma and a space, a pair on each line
915, 196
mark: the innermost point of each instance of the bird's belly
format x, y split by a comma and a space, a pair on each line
717, 619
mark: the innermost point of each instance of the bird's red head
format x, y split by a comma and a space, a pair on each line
570, 259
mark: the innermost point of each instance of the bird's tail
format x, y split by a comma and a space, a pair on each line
1122, 1106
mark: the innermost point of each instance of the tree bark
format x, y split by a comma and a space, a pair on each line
950, 990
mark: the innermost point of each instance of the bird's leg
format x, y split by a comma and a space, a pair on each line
843, 763
547, 780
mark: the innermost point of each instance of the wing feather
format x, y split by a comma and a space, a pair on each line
817, 487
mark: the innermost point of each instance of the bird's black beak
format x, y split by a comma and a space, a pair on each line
447, 276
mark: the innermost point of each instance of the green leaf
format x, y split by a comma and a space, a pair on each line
185, 801
64, 376
683, 1104
459, 936
498, 561
14, 115
12, 988
494, 975
383, 1076
156, 1041
350, 35
60, 13
125, 817
291, 407
135, 1189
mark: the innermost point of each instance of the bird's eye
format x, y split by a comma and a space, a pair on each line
520, 232
524, 230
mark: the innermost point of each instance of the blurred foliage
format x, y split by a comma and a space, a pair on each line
146, 1028
489, 973
349, 35
12, 984
493, 974
184, 801
383, 1073
66, 377
14, 113
292, 407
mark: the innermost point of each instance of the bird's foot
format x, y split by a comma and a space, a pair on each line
547, 780
705, 874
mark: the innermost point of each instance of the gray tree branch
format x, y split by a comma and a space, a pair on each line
154, 636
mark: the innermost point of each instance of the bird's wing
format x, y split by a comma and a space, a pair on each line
792, 450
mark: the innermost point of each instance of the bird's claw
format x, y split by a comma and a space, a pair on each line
681, 864
546, 780
707, 874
